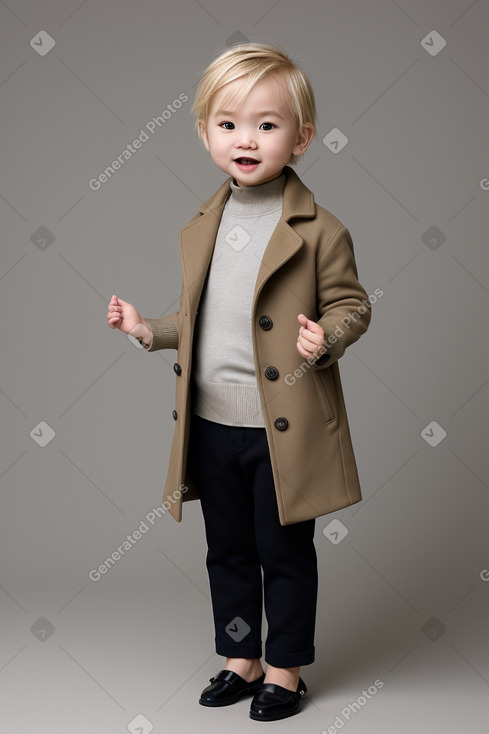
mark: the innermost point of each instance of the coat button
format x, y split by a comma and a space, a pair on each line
271, 373
265, 322
174, 415
177, 368
281, 423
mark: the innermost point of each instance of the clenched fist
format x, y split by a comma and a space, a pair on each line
123, 316
310, 339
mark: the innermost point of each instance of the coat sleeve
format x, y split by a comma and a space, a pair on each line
342, 303
165, 332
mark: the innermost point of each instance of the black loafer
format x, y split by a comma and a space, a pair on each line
274, 702
228, 687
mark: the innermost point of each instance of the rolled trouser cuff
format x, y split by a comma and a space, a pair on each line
289, 660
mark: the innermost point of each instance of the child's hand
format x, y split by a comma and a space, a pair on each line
123, 316
311, 337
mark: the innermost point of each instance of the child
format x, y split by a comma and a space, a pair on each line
261, 433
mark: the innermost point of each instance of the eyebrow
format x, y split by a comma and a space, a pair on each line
264, 113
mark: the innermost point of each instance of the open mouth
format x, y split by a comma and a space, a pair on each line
245, 161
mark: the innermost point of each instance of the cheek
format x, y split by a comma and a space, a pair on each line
214, 145
284, 140
220, 143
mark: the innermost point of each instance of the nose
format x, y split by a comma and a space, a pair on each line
245, 139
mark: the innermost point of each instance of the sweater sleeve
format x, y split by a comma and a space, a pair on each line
164, 331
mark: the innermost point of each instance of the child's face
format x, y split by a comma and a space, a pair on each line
262, 128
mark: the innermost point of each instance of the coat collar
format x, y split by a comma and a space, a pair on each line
197, 238
298, 199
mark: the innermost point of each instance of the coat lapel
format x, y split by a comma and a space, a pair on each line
197, 238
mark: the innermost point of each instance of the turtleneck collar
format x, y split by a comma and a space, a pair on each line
253, 200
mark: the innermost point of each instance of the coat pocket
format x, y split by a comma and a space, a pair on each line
323, 386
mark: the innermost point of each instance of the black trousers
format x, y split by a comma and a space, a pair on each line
244, 539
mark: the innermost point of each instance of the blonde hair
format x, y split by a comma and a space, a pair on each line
251, 62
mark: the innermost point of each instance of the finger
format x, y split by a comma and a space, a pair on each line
311, 336
308, 346
314, 327
306, 353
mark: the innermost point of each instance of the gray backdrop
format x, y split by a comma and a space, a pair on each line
402, 636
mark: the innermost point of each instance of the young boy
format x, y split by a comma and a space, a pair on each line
270, 301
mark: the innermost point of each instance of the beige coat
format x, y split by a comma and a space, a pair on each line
308, 267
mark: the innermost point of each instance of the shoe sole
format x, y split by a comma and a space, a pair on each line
276, 717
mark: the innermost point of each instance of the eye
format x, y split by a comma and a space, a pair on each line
227, 123
268, 123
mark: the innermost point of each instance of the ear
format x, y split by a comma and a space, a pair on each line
203, 133
304, 138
